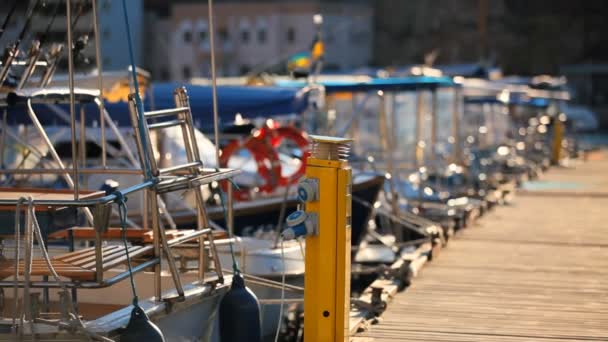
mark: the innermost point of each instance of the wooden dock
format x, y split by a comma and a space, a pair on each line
536, 270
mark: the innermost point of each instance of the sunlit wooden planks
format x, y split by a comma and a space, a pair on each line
533, 271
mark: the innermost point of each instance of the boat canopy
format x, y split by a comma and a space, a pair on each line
47, 95
249, 102
512, 99
384, 84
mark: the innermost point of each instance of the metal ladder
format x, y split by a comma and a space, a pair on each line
188, 176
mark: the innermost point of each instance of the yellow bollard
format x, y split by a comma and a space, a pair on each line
558, 136
326, 190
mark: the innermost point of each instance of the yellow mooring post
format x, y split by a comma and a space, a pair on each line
558, 136
326, 223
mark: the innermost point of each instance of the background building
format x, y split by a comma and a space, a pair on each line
257, 36
524, 37
519, 36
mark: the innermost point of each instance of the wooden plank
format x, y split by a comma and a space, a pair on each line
532, 271
106, 255
39, 268
83, 253
137, 253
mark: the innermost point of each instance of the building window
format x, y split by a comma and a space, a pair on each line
202, 33
164, 74
262, 30
244, 28
223, 35
262, 36
245, 36
291, 35
244, 69
186, 72
187, 36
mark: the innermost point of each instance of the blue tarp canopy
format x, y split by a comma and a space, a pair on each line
250, 102
482, 100
514, 99
385, 84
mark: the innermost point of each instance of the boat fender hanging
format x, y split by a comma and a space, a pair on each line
240, 314
140, 328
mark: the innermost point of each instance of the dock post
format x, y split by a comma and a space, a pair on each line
326, 223
558, 136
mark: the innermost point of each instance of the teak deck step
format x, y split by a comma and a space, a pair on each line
79, 265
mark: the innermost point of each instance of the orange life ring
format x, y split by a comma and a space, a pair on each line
267, 162
277, 136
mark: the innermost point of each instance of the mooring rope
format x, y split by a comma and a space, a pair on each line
121, 200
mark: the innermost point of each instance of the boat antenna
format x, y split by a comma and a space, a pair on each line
216, 130
216, 133
11, 11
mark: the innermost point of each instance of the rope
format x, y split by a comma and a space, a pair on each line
17, 252
280, 320
121, 200
282, 212
74, 320
25, 311
138, 102
235, 264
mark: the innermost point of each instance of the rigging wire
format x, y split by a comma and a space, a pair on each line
17, 256
235, 264
121, 200
138, 102
26, 26
8, 17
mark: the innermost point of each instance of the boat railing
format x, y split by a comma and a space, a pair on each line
85, 268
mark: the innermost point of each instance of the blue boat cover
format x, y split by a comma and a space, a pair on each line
385, 84
250, 102
514, 99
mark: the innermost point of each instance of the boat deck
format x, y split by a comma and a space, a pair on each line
536, 270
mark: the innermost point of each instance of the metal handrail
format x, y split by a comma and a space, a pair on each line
88, 202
